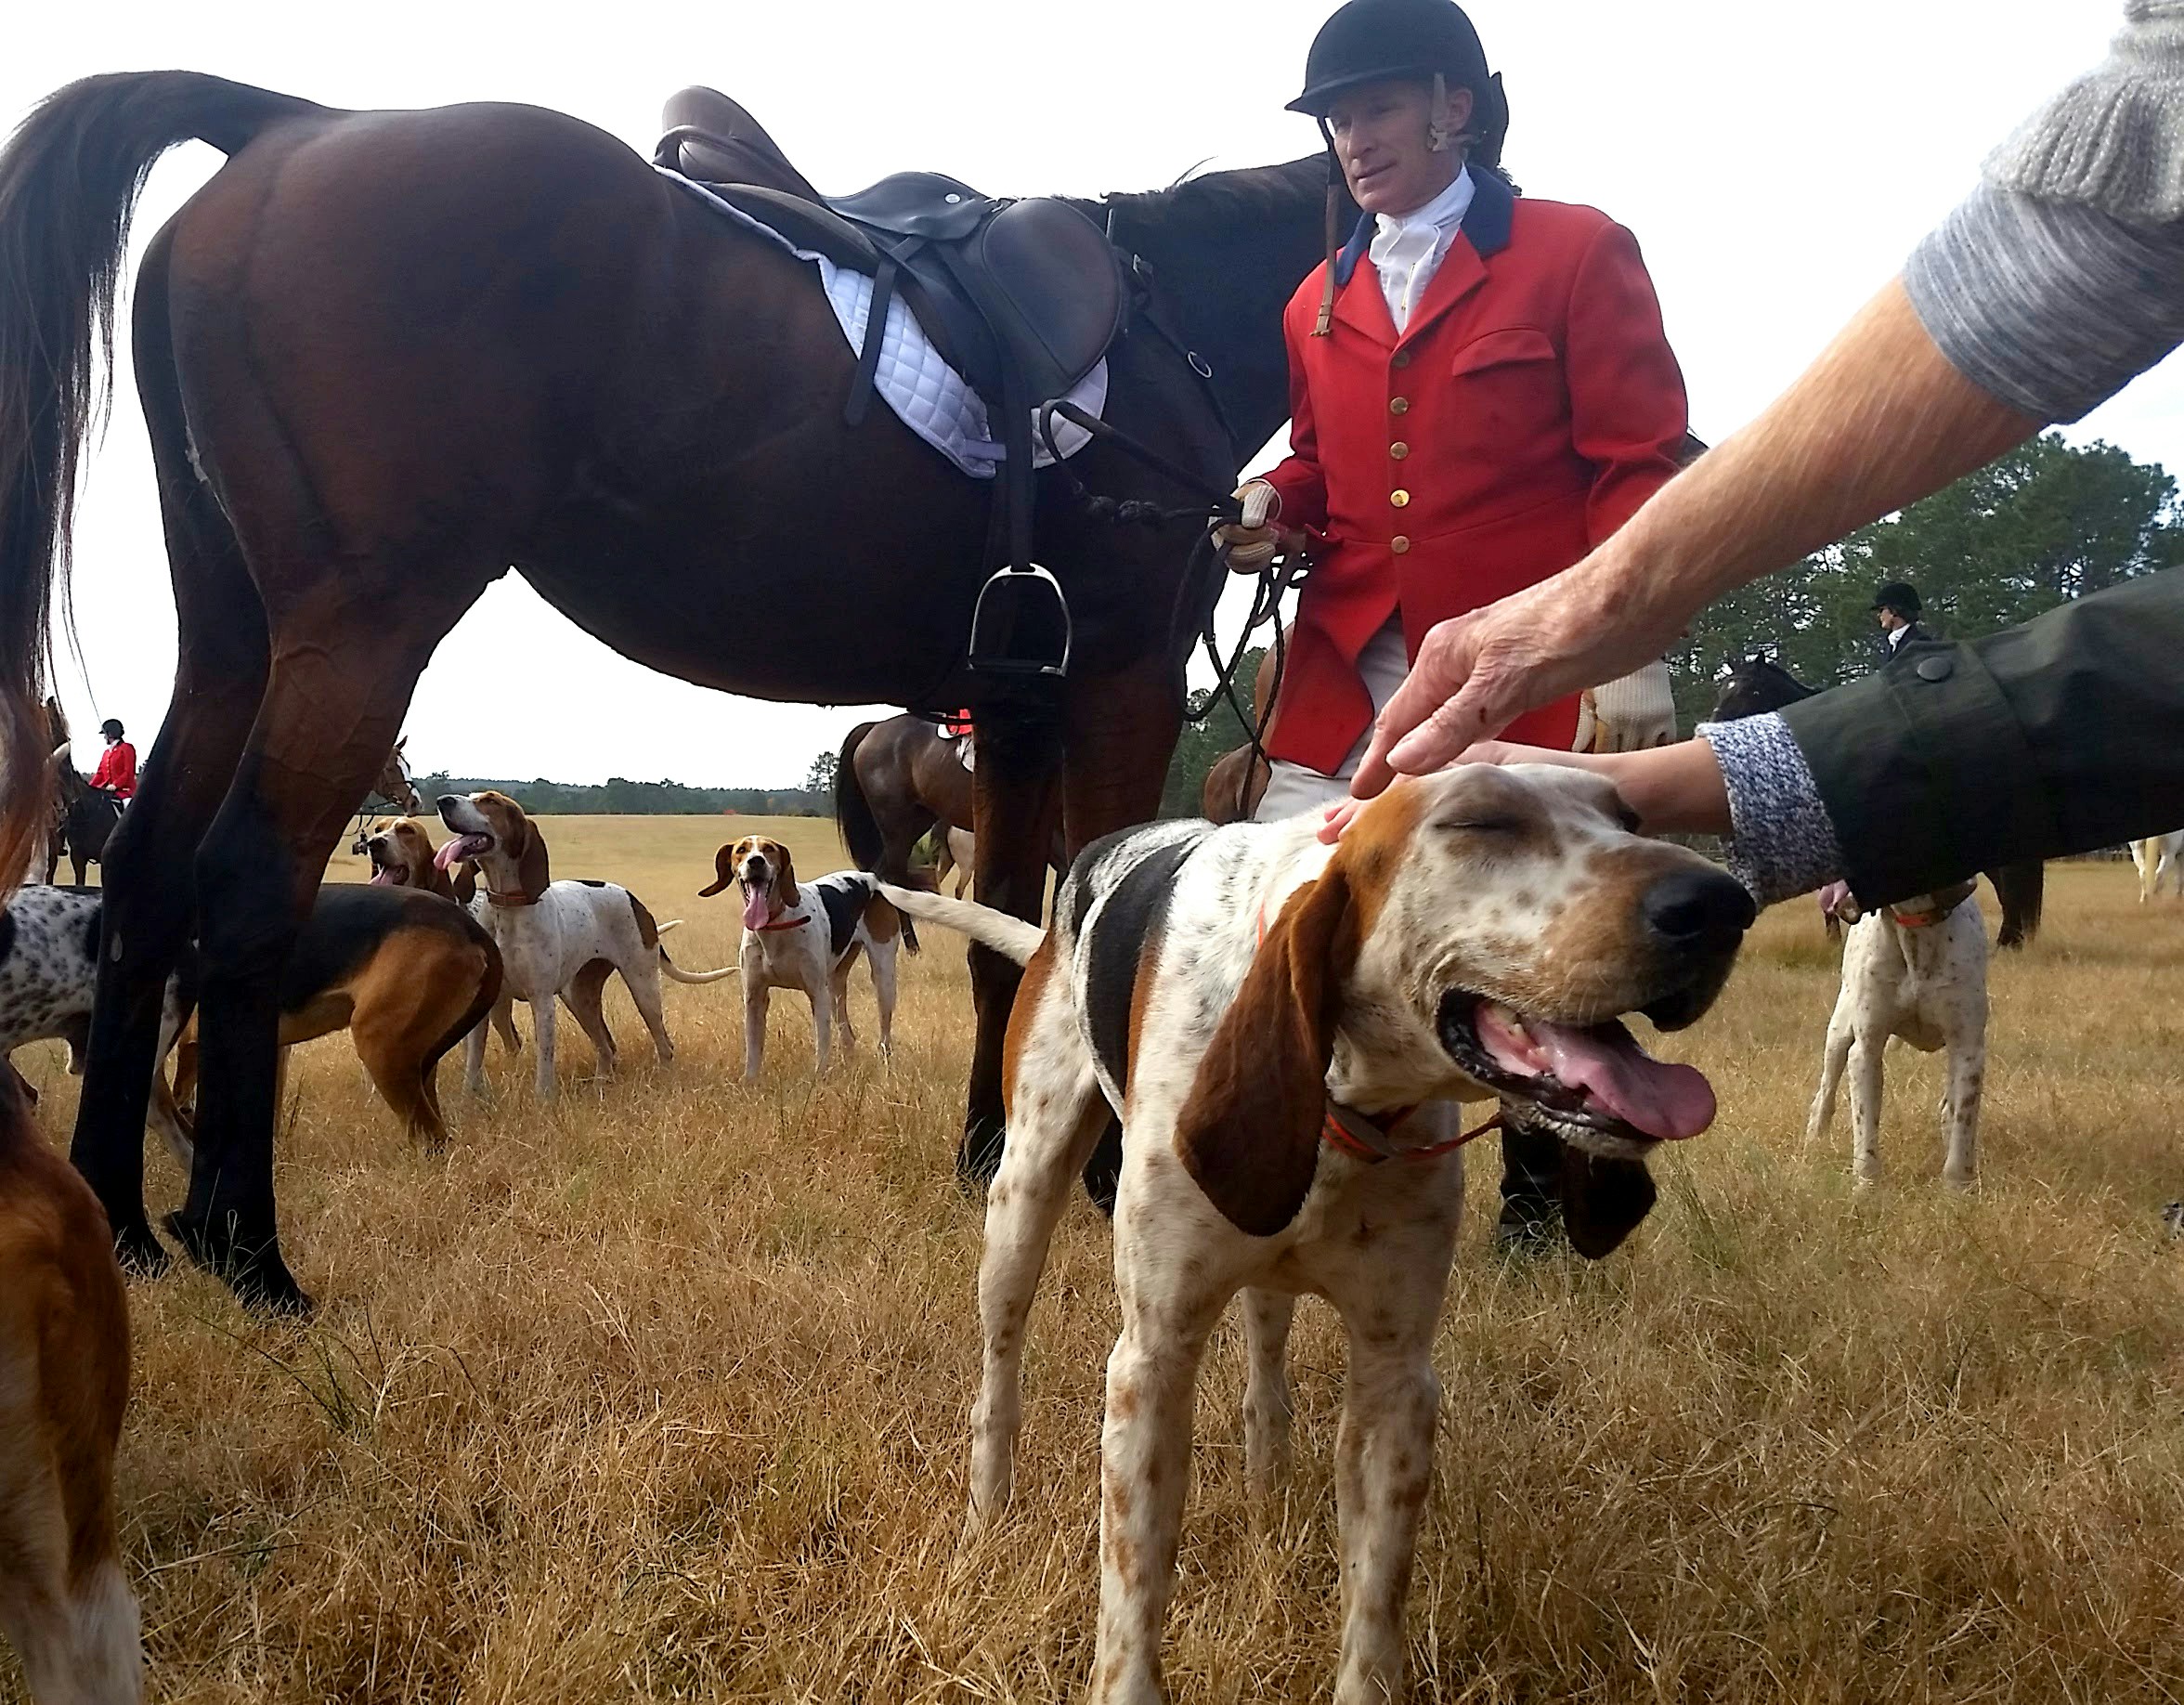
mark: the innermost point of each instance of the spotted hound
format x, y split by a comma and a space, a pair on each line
557, 940
807, 937
407, 974
1268, 1018
1918, 970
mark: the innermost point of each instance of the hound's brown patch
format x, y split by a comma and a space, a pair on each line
1141, 989
647, 928
1023, 1015
65, 1356
519, 839
882, 922
1249, 1132
1373, 849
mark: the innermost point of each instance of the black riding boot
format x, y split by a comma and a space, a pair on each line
1532, 1188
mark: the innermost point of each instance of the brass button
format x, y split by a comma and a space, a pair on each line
1398, 450
1399, 405
1401, 358
1399, 497
1399, 544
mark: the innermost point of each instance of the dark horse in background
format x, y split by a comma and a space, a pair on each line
893, 781
385, 356
394, 787
1760, 683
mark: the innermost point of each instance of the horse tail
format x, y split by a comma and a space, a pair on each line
69, 182
852, 812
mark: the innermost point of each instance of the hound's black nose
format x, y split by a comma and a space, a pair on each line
1699, 909
442, 804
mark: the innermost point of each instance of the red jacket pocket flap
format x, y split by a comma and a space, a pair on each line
1498, 348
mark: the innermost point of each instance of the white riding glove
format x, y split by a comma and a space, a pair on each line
1248, 545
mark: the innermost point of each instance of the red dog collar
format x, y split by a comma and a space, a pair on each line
794, 923
1367, 1137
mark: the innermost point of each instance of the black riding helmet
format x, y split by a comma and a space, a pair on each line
1371, 41
111, 728
1898, 595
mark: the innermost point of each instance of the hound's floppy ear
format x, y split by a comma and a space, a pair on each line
1602, 1201
785, 878
531, 874
724, 871
1249, 1132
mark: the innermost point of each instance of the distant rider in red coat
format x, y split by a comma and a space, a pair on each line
1480, 392
116, 772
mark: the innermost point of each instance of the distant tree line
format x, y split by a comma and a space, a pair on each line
1203, 742
2046, 523
621, 797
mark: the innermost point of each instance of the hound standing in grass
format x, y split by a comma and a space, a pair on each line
808, 938
1267, 1018
557, 940
1918, 970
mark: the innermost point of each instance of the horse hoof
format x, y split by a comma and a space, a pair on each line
142, 1255
259, 1277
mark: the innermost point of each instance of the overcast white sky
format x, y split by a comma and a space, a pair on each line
1776, 162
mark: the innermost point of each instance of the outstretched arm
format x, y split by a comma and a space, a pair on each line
1879, 420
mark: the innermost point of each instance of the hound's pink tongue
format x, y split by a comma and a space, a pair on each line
460, 848
754, 908
382, 877
1657, 1096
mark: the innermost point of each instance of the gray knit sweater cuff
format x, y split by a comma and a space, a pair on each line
2114, 138
2050, 307
1783, 843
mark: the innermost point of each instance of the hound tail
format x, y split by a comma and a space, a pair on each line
680, 975
1011, 937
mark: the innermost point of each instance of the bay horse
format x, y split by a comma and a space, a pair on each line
386, 356
1760, 683
894, 780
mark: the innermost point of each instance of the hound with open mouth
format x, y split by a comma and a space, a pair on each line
558, 940
808, 937
403, 856
1269, 1018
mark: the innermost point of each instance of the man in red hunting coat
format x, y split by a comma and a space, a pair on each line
1481, 391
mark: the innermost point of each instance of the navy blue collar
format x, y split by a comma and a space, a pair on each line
1485, 223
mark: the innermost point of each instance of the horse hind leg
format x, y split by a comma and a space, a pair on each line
220, 671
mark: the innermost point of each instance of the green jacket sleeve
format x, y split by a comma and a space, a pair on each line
2062, 736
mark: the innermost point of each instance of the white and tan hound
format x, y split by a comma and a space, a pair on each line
558, 940
807, 937
1265, 1015
64, 1383
1917, 969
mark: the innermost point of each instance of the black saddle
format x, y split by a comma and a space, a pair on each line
1021, 296
1031, 284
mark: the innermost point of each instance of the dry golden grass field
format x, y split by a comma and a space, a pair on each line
661, 1393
